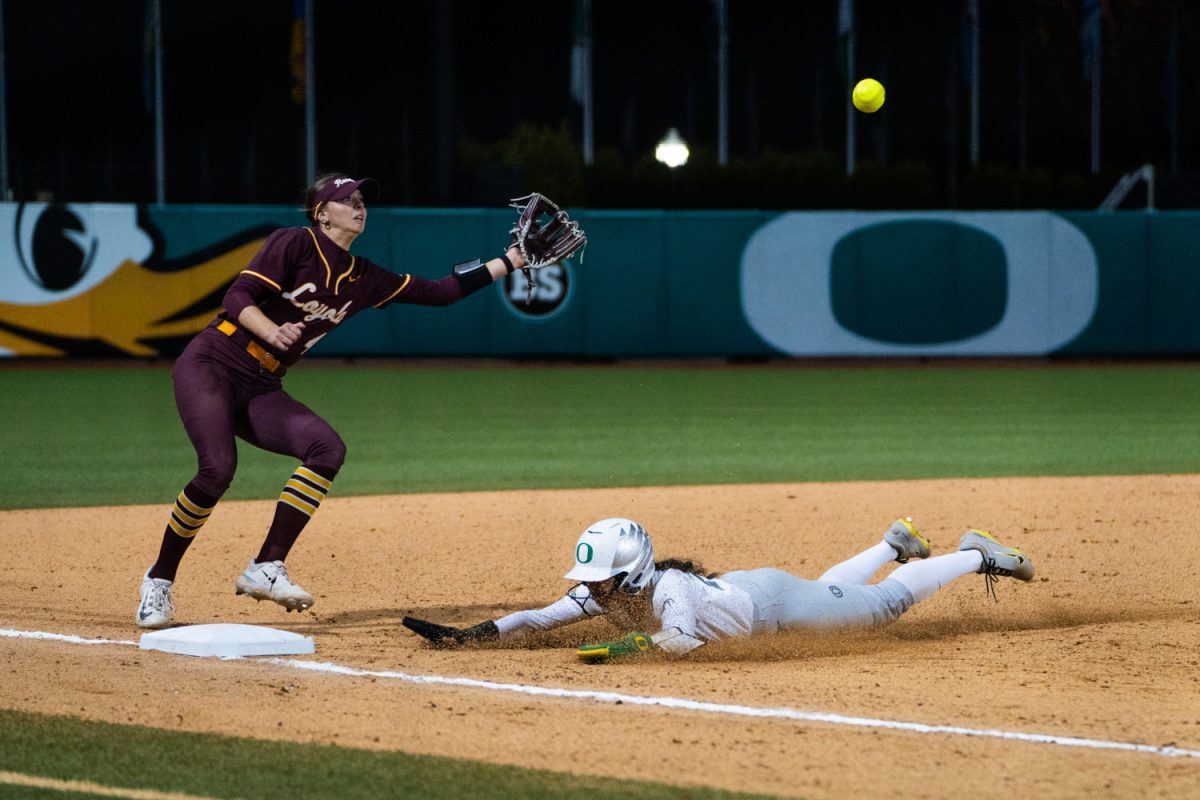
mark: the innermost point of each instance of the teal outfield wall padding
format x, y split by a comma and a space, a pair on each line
1150, 283
104, 279
648, 284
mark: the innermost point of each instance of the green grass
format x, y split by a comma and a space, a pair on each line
86, 436
129, 756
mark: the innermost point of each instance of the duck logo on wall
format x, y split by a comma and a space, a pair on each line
92, 280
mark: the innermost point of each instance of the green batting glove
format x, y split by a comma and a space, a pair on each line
629, 645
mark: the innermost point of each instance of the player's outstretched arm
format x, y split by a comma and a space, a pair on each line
572, 607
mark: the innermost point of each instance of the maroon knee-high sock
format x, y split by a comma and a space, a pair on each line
191, 511
301, 497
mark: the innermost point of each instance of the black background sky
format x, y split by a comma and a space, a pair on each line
79, 128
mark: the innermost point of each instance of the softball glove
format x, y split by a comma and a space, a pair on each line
544, 233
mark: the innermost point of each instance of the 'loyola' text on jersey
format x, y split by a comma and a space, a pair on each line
314, 309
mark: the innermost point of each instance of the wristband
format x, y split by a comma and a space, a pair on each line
508, 265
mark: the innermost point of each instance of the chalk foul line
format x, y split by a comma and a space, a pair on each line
57, 637
675, 702
741, 711
87, 787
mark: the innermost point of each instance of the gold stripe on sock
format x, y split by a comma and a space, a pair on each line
308, 474
307, 509
191, 507
303, 488
180, 530
189, 518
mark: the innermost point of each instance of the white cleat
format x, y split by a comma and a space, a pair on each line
906, 540
157, 606
269, 581
998, 558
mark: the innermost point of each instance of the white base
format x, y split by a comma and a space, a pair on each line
227, 640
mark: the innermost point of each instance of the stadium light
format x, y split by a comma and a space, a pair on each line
672, 150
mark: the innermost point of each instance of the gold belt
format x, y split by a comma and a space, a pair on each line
268, 361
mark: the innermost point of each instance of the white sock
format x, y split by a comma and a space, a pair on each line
859, 569
923, 578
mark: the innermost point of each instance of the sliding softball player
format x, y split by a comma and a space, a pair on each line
616, 574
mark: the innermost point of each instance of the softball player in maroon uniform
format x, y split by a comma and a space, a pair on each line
302, 284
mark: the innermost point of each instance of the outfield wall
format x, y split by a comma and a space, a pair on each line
120, 280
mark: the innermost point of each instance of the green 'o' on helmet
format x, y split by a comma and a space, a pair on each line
611, 547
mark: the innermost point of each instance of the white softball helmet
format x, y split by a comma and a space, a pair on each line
611, 547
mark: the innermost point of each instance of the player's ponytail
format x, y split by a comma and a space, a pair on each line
684, 565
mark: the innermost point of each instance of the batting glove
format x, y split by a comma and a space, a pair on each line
629, 645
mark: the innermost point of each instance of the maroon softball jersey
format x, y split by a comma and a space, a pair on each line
224, 388
301, 275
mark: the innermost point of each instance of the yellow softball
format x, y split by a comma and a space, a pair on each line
868, 95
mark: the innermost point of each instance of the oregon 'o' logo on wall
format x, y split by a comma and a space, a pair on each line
919, 283
551, 291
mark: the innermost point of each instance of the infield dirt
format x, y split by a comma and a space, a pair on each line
1103, 644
